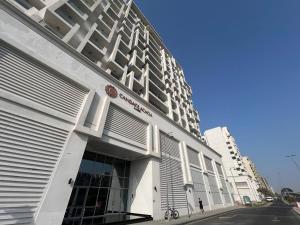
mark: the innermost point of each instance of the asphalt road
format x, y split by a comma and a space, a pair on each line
276, 214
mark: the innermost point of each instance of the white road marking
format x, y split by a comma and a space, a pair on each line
226, 217
276, 219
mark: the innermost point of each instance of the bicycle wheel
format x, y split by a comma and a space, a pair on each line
168, 212
175, 214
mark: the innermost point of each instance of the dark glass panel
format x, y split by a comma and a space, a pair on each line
101, 201
99, 220
87, 222
119, 166
83, 179
124, 197
125, 182
92, 197
127, 168
89, 211
81, 194
106, 181
95, 180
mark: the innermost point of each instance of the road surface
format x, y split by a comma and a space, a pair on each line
276, 214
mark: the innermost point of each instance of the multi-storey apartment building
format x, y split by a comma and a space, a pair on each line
97, 121
253, 173
222, 141
120, 40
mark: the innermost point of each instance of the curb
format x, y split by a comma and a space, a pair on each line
207, 217
199, 218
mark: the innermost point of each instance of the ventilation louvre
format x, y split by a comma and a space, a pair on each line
215, 193
171, 178
29, 79
225, 191
199, 187
29, 151
122, 123
193, 156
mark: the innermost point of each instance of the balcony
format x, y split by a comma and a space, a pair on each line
67, 14
155, 53
136, 65
155, 70
117, 64
93, 53
155, 79
89, 3
80, 7
157, 91
155, 101
154, 61
175, 116
99, 40
56, 24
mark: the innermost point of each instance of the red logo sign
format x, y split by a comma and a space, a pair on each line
111, 91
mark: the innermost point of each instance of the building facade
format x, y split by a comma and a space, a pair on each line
243, 184
253, 174
97, 121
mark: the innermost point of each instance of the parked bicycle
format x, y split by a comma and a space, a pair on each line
171, 213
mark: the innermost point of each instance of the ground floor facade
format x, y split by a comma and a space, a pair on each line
244, 188
79, 148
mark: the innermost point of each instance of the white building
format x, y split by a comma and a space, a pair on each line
242, 182
252, 173
97, 120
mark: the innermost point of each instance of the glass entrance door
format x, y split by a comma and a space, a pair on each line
100, 191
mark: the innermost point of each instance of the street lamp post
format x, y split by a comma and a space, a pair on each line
235, 184
291, 157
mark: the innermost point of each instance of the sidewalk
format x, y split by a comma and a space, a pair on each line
185, 219
297, 210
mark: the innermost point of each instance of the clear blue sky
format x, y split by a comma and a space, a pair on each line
242, 59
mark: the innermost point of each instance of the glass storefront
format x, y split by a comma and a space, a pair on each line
100, 191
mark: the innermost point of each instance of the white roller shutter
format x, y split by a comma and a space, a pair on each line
126, 125
23, 76
199, 187
214, 190
225, 191
193, 156
29, 151
171, 177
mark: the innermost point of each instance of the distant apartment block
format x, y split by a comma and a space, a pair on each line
244, 183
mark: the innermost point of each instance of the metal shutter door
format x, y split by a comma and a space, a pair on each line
171, 174
199, 187
23, 76
225, 191
214, 190
126, 125
29, 151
